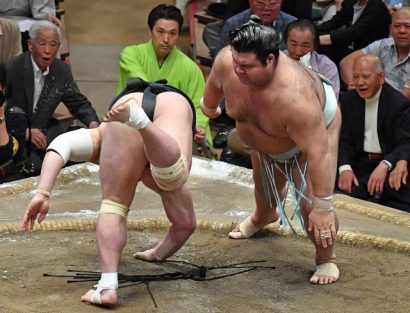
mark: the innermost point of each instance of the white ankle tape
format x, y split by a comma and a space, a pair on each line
108, 280
138, 119
247, 228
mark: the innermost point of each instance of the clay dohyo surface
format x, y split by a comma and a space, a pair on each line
371, 280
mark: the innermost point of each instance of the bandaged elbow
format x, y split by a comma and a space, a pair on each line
172, 177
76, 145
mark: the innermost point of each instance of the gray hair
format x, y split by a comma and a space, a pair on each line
43, 24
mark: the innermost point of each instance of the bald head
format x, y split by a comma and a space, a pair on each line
267, 10
369, 61
368, 75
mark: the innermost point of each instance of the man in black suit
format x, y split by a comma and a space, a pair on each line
37, 82
357, 24
375, 132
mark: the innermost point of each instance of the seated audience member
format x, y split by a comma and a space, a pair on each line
394, 5
159, 58
32, 9
301, 41
329, 9
394, 53
270, 13
11, 143
375, 134
37, 82
357, 24
298, 9
10, 39
37, 9
397, 186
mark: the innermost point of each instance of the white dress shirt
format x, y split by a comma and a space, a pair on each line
39, 79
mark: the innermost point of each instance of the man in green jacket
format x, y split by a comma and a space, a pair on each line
159, 58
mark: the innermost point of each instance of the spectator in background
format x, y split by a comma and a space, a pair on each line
37, 9
270, 13
37, 82
10, 39
375, 134
394, 53
159, 58
298, 9
11, 142
29, 9
394, 5
357, 24
301, 41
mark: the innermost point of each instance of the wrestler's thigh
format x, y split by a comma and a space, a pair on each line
122, 161
174, 116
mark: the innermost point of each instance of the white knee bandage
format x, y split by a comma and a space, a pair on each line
172, 177
76, 145
112, 207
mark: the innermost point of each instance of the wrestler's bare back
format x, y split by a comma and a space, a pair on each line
265, 114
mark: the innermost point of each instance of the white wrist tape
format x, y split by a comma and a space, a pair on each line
323, 204
76, 145
209, 112
138, 119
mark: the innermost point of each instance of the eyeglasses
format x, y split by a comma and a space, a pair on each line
267, 4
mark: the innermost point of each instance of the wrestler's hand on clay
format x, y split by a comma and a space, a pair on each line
39, 205
377, 179
399, 175
322, 222
346, 179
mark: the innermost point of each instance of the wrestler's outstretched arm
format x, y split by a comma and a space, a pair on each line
319, 144
77, 146
213, 94
40, 203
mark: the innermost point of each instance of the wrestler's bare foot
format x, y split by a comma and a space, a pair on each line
326, 273
147, 255
129, 112
247, 229
120, 112
108, 297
